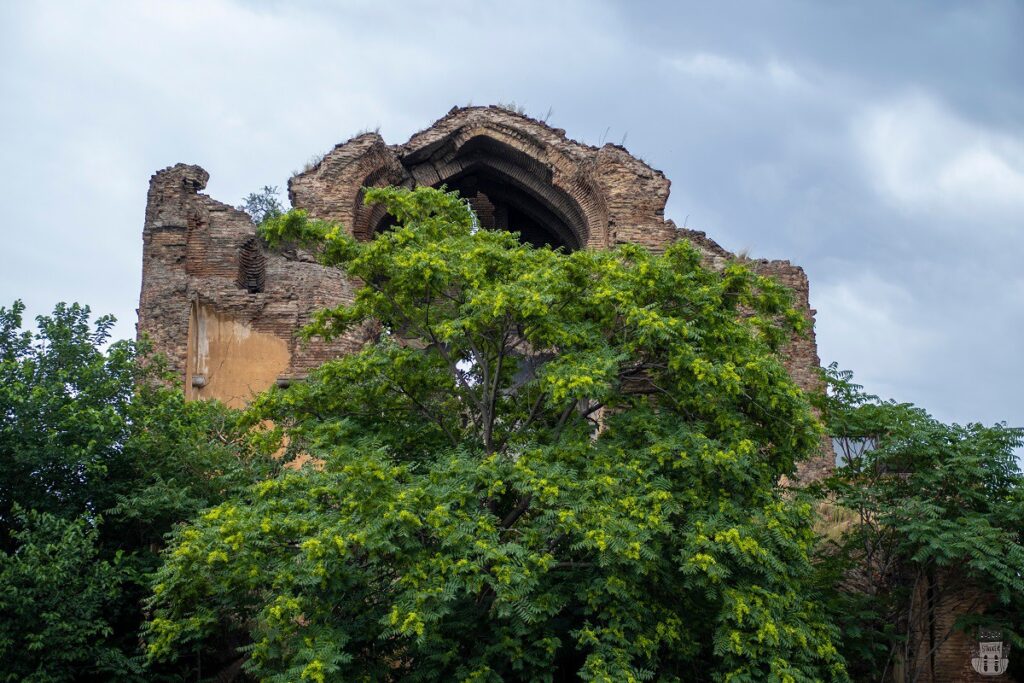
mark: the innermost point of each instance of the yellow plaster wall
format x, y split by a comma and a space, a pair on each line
235, 360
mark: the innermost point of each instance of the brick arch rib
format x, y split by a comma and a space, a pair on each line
542, 186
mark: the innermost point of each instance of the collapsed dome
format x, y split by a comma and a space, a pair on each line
508, 190
517, 174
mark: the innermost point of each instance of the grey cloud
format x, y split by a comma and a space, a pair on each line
878, 145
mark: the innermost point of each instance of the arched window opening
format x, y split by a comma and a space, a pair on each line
502, 205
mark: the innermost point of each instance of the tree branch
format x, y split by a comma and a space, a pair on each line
517, 512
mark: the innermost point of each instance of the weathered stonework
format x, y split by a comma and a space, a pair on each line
225, 340
225, 312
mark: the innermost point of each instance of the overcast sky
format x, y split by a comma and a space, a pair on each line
880, 146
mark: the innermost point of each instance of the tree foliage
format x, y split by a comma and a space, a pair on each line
100, 461
54, 598
545, 466
263, 205
932, 516
63, 404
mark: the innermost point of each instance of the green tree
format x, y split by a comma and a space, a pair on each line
262, 205
54, 595
63, 403
928, 515
545, 466
100, 461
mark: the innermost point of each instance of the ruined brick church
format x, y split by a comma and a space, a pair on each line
225, 311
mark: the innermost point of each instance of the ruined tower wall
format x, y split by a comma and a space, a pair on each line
800, 354
198, 303
610, 196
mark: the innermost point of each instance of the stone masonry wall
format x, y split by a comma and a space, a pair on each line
944, 653
192, 247
197, 250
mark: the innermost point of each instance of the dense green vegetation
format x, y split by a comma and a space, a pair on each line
929, 514
99, 462
544, 467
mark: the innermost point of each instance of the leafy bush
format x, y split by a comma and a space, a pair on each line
934, 517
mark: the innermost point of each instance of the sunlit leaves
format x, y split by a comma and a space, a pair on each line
544, 465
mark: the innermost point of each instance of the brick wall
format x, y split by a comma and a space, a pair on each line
192, 250
196, 249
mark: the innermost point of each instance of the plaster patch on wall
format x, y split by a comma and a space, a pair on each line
234, 361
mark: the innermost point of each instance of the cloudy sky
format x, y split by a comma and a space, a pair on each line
880, 146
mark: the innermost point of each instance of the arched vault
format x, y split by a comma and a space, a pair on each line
517, 173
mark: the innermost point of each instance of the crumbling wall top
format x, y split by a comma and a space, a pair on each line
529, 175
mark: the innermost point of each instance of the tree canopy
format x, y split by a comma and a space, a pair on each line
99, 462
262, 205
930, 517
545, 466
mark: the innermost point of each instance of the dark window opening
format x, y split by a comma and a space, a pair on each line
500, 205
